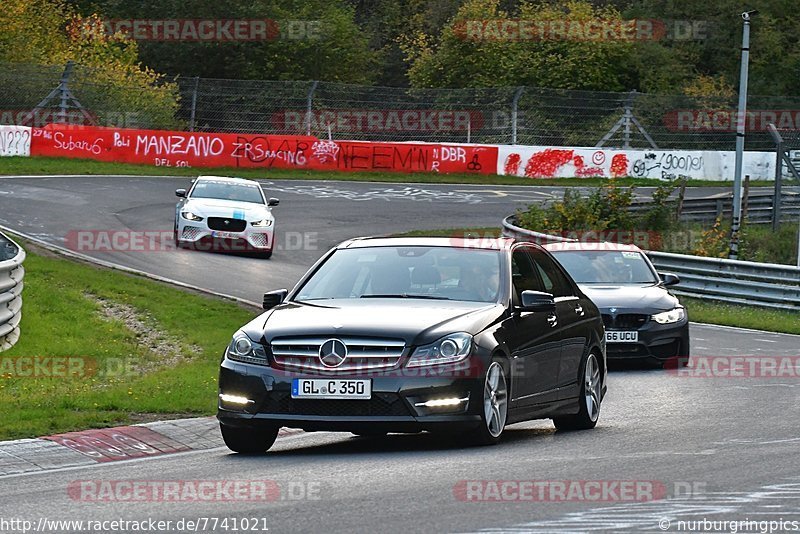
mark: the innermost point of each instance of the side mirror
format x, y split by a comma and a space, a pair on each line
273, 298
180, 193
670, 279
537, 301
273, 202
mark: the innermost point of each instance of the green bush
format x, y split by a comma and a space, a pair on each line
605, 208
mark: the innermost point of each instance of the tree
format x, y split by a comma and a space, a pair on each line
474, 49
49, 33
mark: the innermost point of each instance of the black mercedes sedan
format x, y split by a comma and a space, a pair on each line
417, 334
643, 320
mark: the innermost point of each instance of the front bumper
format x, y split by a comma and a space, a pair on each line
200, 236
661, 342
393, 406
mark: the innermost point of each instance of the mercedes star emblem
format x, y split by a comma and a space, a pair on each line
332, 353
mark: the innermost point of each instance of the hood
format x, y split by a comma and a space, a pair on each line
214, 207
630, 298
415, 321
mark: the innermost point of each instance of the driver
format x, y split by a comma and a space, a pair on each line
482, 281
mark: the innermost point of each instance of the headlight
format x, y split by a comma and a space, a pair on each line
449, 349
243, 349
262, 223
188, 215
671, 316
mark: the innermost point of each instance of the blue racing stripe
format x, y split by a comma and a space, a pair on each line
238, 214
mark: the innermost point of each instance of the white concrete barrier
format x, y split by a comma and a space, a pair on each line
568, 162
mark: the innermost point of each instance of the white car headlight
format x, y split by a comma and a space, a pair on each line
263, 223
243, 349
449, 349
189, 216
671, 316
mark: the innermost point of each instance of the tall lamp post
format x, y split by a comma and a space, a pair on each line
740, 124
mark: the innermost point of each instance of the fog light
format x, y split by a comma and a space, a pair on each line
442, 403
235, 399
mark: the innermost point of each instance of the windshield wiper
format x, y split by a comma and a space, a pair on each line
403, 296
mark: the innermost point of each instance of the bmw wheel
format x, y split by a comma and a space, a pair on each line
589, 399
249, 440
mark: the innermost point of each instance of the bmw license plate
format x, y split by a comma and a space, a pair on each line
329, 388
225, 235
618, 336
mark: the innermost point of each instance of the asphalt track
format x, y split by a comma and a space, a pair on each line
722, 449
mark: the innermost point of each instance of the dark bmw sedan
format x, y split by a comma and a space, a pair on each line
417, 334
643, 319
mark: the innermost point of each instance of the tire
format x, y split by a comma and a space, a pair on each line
265, 255
589, 399
249, 440
494, 412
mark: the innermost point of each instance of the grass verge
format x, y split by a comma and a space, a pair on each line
713, 312
140, 350
47, 166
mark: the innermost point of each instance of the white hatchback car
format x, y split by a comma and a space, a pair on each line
225, 214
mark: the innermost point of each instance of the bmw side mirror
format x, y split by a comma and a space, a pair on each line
537, 301
670, 279
180, 193
273, 298
273, 202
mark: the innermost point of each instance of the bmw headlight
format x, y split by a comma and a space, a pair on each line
449, 349
671, 316
263, 223
189, 216
244, 349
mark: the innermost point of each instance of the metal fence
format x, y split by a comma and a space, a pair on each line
743, 282
501, 115
11, 274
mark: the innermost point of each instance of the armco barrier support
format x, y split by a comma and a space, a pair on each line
11, 274
743, 282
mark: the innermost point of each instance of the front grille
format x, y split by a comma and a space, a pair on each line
625, 321
302, 353
381, 404
226, 224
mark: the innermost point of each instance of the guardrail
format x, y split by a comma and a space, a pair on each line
11, 274
759, 207
758, 284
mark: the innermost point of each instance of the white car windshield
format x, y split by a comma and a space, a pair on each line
239, 192
606, 266
441, 273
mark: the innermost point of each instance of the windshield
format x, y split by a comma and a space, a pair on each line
606, 266
440, 273
228, 191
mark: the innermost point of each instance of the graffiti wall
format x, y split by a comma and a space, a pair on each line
188, 149
567, 162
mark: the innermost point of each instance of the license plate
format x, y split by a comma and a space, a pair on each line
328, 388
225, 235
615, 336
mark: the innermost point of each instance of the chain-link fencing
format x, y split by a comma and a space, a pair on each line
34, 95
